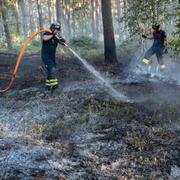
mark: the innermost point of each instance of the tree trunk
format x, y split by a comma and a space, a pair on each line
31, 16
53, 10
97, 18
68, 17
40, 14
16, 14
5, 24
93, 19
49, 12
73, 19
125, 17
58, 11
118, 3
73, 25
22, 4
108, 30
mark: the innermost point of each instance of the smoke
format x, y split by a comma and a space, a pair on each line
158, 86
173, 69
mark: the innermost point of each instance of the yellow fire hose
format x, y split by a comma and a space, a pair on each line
20, 58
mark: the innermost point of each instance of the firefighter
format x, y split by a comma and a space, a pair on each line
49, 44
159, 46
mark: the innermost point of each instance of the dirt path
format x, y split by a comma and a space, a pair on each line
81, 132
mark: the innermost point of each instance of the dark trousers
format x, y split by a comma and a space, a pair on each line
158, 50
50, 64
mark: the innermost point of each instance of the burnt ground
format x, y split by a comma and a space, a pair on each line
80, 131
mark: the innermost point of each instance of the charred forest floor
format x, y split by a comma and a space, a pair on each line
80, 131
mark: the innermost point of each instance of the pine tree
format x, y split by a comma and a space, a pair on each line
109, 42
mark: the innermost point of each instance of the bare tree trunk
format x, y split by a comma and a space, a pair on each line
69, 20
49, 12
5, 24
154, 12
93, 19
58, 11
68, 16
125, 16
16, 14
73, 25
31, 16
118, 3
97, 18
109, 42
157, 10
22, 4
53, 10
39, 14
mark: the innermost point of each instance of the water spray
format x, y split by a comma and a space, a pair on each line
105, 82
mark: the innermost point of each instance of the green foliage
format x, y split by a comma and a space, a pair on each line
110, 107
85, 42
88, 47
36, 43
29, 50
33, 47
175, 45
141, 14
136, 141
127, 45
16, 38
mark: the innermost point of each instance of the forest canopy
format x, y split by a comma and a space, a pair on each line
20, 18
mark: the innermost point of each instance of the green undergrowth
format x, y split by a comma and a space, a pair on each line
174, 44
63, 129
86, 47
33, 48
18, 42
143, 129
117, 109
120, 113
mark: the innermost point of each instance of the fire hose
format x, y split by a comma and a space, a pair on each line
20, 58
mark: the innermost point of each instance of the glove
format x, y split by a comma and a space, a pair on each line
62, 40
165, 51
144, 36
59, 39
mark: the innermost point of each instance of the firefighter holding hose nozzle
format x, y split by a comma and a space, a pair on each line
159, 46
48, 52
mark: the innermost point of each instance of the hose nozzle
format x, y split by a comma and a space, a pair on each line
66, 45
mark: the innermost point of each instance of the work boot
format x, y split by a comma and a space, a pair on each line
144, 66
51, 84
162, 67
51, 87
145, 61
162, 70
